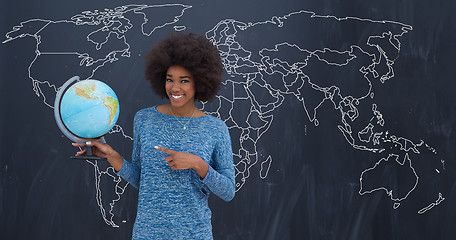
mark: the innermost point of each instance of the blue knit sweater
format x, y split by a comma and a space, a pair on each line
173, 204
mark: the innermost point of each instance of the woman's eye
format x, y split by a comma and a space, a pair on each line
185, 81
169, 80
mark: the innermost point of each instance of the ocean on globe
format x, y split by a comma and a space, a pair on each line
89, 109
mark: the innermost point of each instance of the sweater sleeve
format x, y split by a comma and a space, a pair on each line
131, 171
220, 176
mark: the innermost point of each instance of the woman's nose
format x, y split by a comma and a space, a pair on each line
175, 87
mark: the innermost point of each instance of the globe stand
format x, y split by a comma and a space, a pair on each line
88, 155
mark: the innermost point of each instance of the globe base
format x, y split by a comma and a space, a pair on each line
89, 155
85, 157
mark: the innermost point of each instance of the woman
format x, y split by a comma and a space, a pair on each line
180, 154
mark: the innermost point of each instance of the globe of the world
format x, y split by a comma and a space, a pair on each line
89, 108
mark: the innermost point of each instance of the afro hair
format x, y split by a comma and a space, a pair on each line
191, 51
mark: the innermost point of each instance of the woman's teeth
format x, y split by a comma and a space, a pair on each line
176, 97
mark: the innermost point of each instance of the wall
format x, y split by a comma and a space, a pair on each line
340, 112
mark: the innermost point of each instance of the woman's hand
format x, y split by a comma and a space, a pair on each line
102, 150
180, 160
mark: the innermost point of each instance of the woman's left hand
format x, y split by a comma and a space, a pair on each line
181, 160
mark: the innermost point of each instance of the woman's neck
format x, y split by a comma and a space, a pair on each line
184, 111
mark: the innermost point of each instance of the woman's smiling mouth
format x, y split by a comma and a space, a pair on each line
177, 96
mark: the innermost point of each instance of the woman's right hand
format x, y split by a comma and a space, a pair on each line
102, 150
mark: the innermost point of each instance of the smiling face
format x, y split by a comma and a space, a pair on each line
180, 88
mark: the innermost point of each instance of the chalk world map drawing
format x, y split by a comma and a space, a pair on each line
259, 77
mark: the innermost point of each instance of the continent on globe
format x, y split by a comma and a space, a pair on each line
113, 105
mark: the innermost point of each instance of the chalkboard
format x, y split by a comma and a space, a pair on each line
341, 115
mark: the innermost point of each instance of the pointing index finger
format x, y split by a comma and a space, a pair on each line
165, 150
